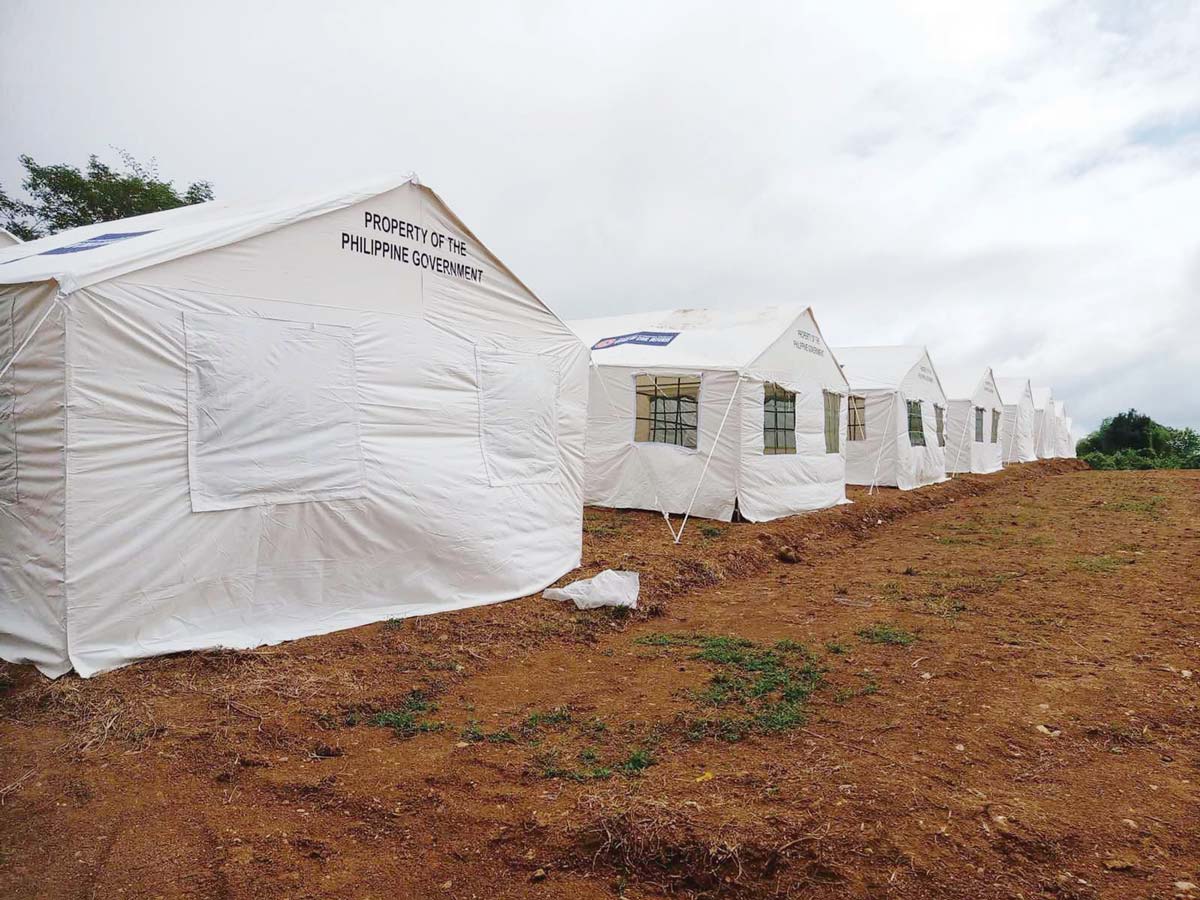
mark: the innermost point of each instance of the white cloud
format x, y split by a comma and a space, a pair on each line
1012, 183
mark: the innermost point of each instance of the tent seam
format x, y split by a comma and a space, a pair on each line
62, 297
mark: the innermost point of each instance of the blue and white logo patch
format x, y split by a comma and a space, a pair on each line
646, 338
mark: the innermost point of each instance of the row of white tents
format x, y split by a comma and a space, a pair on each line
232, 424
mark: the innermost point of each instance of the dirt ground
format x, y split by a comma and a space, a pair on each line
982, 689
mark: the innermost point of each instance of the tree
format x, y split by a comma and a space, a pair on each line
62, 196
1132, 440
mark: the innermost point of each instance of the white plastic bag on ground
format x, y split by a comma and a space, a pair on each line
609, 588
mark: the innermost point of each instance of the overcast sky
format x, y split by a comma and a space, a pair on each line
1014, 184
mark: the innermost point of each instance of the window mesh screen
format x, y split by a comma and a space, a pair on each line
940, 413
779, 420
979, 425
833, 422
916, 427
856, 425
668, 408
995, 426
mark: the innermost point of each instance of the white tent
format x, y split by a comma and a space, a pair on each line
1018, 427
7, 238
229, 425
896, 417
974, 421
1062, 433
700, 411
1071, 451
1045, 433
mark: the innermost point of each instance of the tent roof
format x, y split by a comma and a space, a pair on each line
7, 238
962, 382
92, 253
707, 338
1011, 389
879, 368
1041, 397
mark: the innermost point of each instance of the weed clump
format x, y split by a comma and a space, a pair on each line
404, 721
885, 633
756, 689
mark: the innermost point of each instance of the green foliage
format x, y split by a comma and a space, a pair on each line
404, 720
1132, 440
1100, 565
637, 762
62, 196
883, 633
762, 690
560, 715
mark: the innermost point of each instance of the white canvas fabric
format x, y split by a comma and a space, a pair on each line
235, 425
887, 378
735, 354
7, 238
1020, 443
1045, 428
973, 404
1070, 453
1062, 430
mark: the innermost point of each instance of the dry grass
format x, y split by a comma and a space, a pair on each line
680, 847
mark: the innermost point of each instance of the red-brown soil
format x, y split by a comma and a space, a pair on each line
1040, 736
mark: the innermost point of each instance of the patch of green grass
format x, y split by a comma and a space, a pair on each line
885, 633
637, 762
404, 721
711, 531
560, 715
946, 607
848, 693
549, 764
836, 648
500, 737
602, 529
1151, 507
666, 640
393, 624
953, 541
1100, 565
762, 690
595, 726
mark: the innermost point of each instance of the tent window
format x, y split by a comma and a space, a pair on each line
779, 420
940, 413
916, 427
272, 412
833, 422
856, 411
979, 425
668, 408
995, 426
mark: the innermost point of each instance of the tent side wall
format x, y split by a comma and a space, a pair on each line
922, 465
624, 473
773, 485
960, 450
877, 458
290, 436
1018, 427
32, 482
1043, 433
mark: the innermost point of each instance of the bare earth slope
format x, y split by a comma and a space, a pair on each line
982, 689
